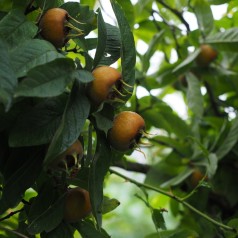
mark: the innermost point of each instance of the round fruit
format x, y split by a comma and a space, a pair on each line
126, 131
52, 26
102, 88
206, 55
77, 205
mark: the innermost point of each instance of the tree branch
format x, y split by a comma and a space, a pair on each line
134, 167
180, 200
175, 12
11, 214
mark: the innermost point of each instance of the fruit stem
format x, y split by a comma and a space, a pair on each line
179, 200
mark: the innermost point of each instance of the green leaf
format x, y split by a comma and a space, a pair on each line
63, 230
83, 76
204, 16
32, 53
177, 179
44, 200
75, 114
212, 165
109, 43
98, 170
128, 52
178, 233
48, 220
8, 80
158, 219
47, 80
87, 229
102, 39
151, 50
109, 204
229, 141
15, 28
129, 10
187, 62
21, 179
194, 95
43, 120
225, 40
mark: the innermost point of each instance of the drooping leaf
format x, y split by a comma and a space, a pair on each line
226, 40
194, 95
109, 43
187, 62
129, 10
47, 80
63, 230
15, 28
48, 220
43, 120
87, 229
8, 80
32, 53
229, 141
128, 52
158, 219
75, 114
98, 170
204, 16
22, 178
83, 76
151, 50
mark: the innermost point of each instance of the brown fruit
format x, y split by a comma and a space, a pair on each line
196, 177
101, 88
52, 26
77, 205
126, 131
206, 56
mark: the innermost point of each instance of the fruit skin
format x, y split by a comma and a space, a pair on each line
126, 130
52, 26
77, 204
206, 56
100, 89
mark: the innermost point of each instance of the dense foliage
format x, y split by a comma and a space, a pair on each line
159, 47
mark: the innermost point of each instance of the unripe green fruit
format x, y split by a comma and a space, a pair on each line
77, 205
126, 131
101, 88
206, 56
52, 26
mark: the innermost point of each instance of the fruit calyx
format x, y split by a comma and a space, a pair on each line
107, 85
55, 26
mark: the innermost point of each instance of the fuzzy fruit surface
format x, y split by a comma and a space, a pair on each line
206, 56
52, 26
126, 130
100, 89
77, 205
